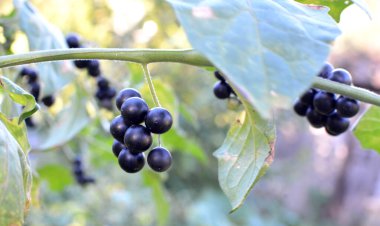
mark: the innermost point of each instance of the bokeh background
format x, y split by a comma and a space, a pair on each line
314, 180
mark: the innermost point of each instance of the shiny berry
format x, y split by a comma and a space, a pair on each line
25, 71
308, 96
93, 68
159, 159
73, 41
326, 71
102, 83
300, 108
315, 119
125, 94
134, 110
110, 93
336, 125
138, 138
117, 147
341, 75
324, 102
222, 90
118, 128
158, 120
347, 107
131, 163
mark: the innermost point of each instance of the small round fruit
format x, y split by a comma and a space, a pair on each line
118, 128
48, 100
347, 107
131, 163
32, 77
300, 108
29, 122
73, 41
308, 96
159, 159
324, 102
25, 71
78, 170
219, 76
81, 64
93, 68
35, 90
336, 125
110, 92
138, 138
134, 110
315, 119
124, 95
326, 71
117, 147
341, 75
103, 83
222, 90
101, 94
158, 120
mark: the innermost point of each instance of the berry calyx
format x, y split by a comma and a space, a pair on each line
315, 119
222, 90
300, 108
159, 159
129, 162
118, 128
117, 147
336, 125
124, 95
158, 120
341, 75
134, 110
347, 107
324, 102
138, 138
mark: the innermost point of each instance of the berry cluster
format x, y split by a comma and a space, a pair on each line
132, 138
79, 173
105, 92
222, 90
34, 87
329, 110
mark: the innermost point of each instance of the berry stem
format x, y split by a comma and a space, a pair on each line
148, 79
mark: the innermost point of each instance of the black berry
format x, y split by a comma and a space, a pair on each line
35, 90
158, 120
326, 71
25, 71
117, 147
308, 96
300, 108
118, 128
110, 92
138, 138
341, 75
102, 83
101, 94
29, 122
81, 64
32, 76
219, 76
159, 159
315, 119
124, 95
93, 68
73, 41
134, 110
324, 103
347, 107
129, 162
222, 90
336, 125
48, 100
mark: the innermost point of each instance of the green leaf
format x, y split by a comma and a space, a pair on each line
162, 204
337, 6
15, 180
269, 50
44, 36
58, 176
367, 130
245, 155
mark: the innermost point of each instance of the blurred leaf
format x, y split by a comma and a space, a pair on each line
15, 180
18, 131
245, 155
20, 96
283, 47
43, 36
367, 130
337, 6
58, 176
162, 204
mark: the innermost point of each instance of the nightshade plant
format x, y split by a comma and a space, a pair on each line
269, 64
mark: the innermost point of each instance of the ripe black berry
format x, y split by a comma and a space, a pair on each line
324, 103
158, 120
118, 128
138, 138
222, 90
315, 119
29, 122
48, 100
25, 71
300, 108
110, 93
219, 76
35, 90
101, 94
134, 110
347, 107
326, 71
73, 41
32, 76
308, 96
159, 159
131, 163
93, 68
117, 147
102, 82
336, 125
81, 64
124, 95
341, 75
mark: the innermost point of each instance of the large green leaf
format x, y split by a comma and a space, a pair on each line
270, 50
43, 36
245, 155
337, 6
15, 180
368, 129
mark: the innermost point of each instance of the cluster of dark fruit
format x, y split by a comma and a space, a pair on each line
105, 92
222, 90
324, 109
34, 88
132, 138
79, 173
